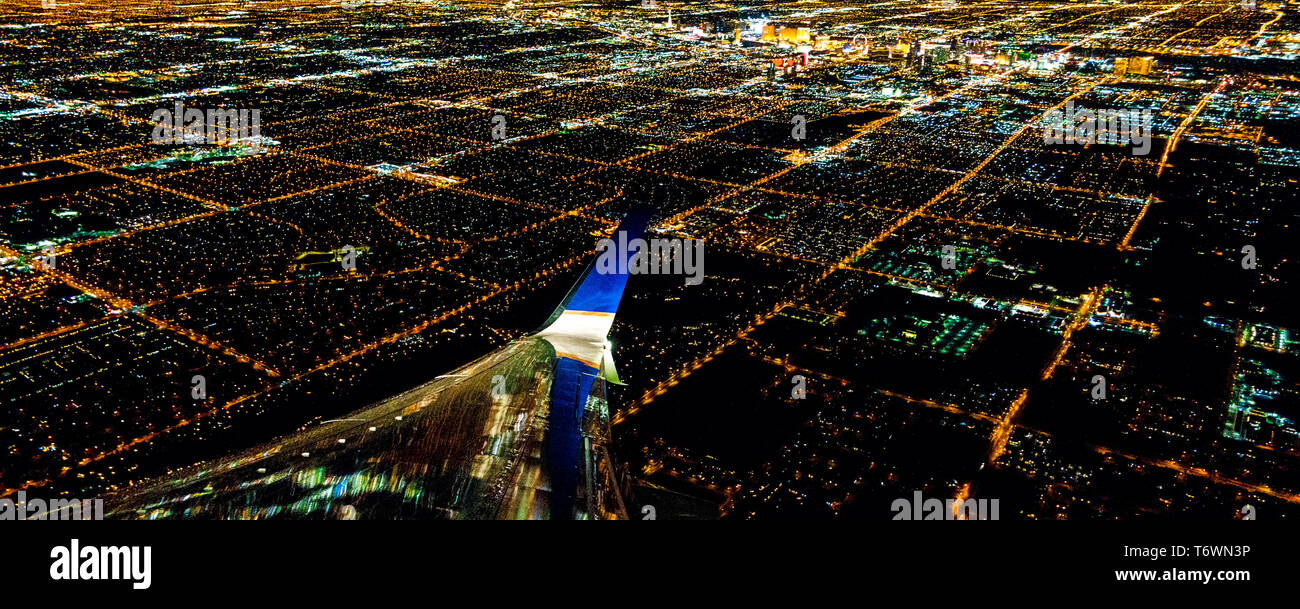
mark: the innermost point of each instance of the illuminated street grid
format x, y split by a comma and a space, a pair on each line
966, 377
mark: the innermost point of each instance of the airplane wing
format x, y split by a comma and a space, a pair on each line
511, 435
